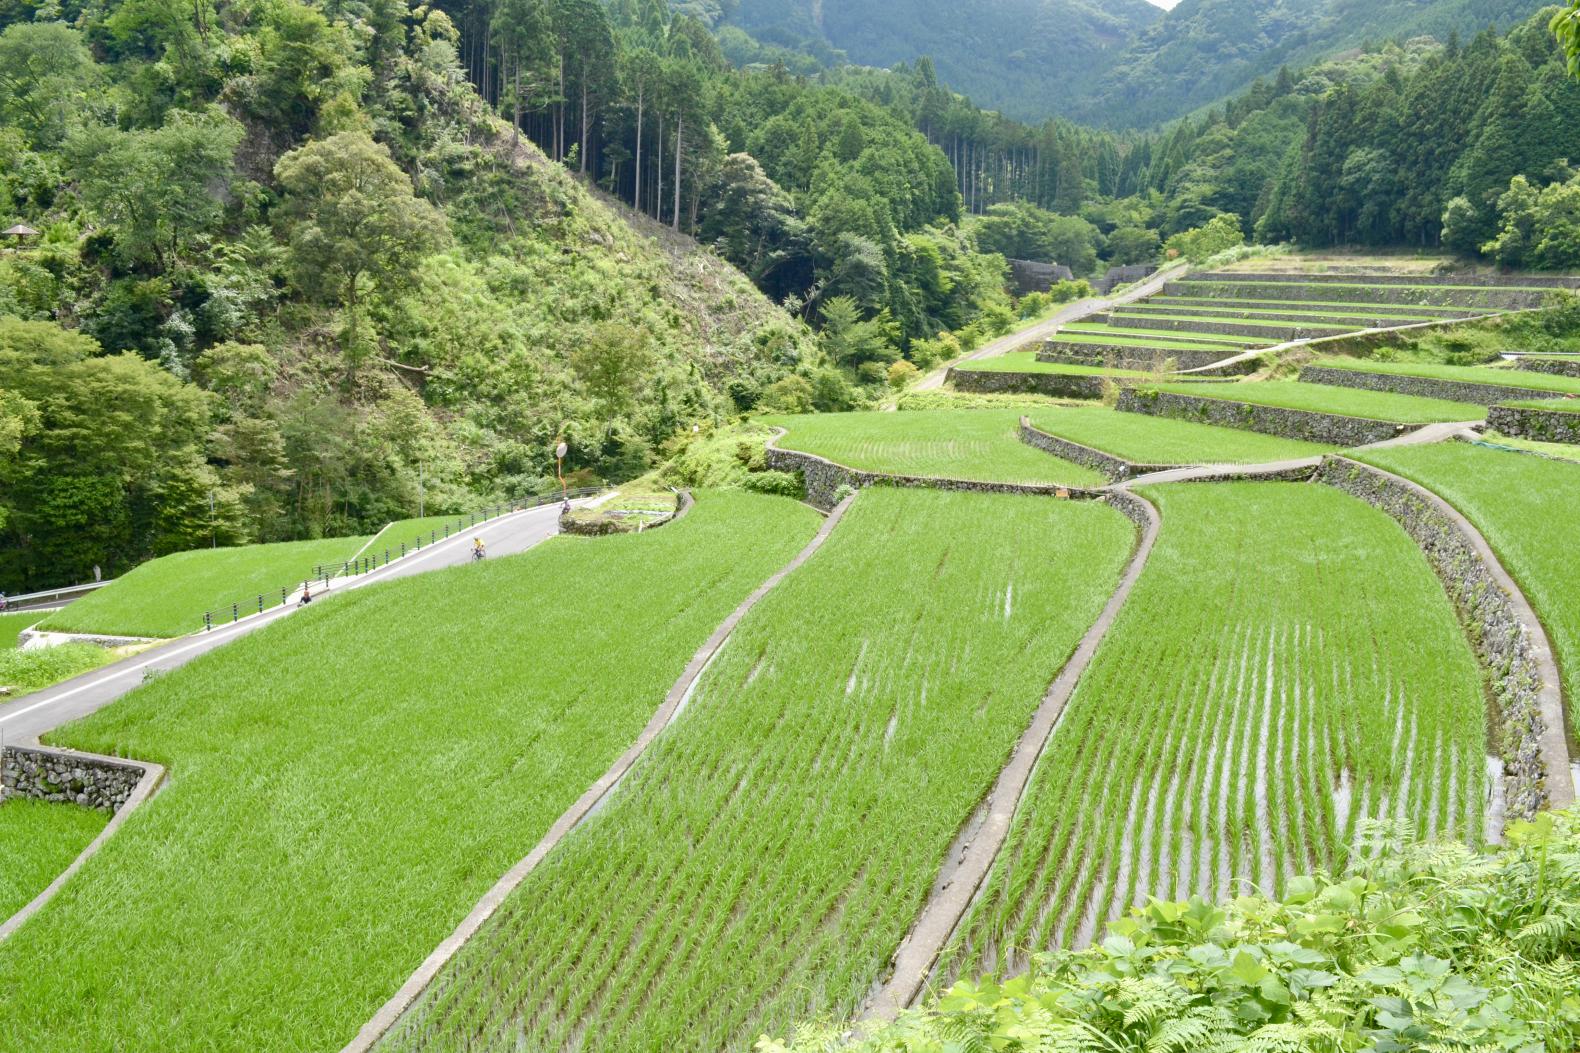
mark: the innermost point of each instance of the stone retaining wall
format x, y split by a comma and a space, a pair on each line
74, 778
1056, 385
1491, 281
1558, 367
606, 527
1116, 468
824, 479
1281, 332
1537, 425
1127, 356
1330, 428
1424, 387
1508, 639
1224, 303
1495, 299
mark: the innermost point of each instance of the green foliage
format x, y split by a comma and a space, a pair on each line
1539, 229
216, 861
817, 749
46, 74
1026, 232
1220, 234
24, 671
1422, 946
38, 840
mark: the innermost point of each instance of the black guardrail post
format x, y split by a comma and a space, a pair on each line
235, 612
260, 603
208, 621
285, 594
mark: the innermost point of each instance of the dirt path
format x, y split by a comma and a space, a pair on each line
961, 880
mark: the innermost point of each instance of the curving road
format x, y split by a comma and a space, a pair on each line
45, 710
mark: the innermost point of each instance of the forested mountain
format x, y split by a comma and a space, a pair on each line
1205, 50
1025, 58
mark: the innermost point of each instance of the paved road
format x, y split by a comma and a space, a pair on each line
1045, 329
42, 711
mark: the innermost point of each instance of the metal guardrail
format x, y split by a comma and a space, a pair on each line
392, 552
51, 597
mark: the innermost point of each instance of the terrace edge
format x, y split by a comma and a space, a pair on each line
917, 955
1508, 637
395, 1008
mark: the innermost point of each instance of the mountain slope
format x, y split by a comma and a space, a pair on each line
1204, 50
1018, 56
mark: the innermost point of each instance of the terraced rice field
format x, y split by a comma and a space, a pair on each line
1565, 404
13, 624
1411, 312
167, 596
1287, 666
1027, 362
1525, 507
38, 840
766, 857
1119, 330
331, 815
1160, 440
979, 445
1323, 398
1103, 336
1537, 382
25, 671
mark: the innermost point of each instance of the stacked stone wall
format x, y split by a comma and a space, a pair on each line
72, 778
826, 480
1557, 367
1535, 424
1422, 387
1331, 428
1489, 298
1512, 648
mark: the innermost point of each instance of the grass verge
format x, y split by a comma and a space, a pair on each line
167, 596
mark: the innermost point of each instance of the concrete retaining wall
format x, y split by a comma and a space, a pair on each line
1558, 367
824, 480
1494, 299
73, 778
1509, 640
1330, 428
1116, 468
1425, 387
1537, 425
1056, 385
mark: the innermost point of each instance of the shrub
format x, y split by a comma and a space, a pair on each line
901, 374
1219, 234
779, 484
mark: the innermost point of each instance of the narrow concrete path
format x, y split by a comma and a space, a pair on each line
1043, 330
940, 918
391, 1012
35, 714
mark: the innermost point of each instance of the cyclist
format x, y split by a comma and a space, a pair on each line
478, 550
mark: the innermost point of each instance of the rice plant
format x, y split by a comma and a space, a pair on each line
767, 856
1287, 666
38, 840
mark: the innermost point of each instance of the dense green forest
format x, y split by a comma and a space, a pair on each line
353, 259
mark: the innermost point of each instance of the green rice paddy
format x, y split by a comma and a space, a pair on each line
1525, 507
1287, 666
1323, 398
1213, 340
762, 862
1161, 342
167, 596
38, 840
25, 671
1515, 378
334, 808
12, 624
1026, 362
978, 445
1159, 440
1566, 404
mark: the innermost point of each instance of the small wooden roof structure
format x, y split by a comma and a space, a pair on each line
21, 230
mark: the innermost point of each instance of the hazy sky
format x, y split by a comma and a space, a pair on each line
1167, 5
